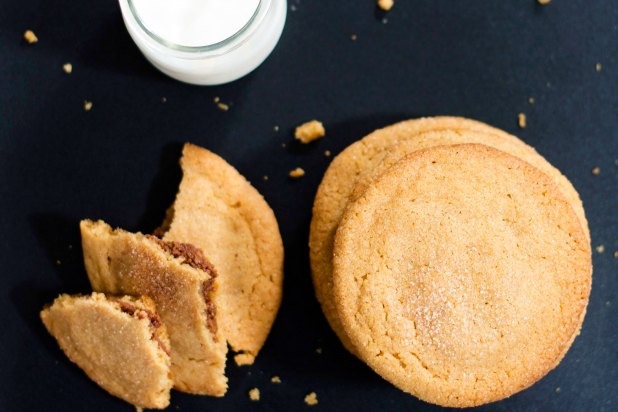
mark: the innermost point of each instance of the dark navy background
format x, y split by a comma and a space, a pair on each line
118, 162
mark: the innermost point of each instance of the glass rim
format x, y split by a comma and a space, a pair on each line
221, 46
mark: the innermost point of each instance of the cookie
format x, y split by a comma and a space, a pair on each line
180, 281
119, 342
461, 274
351, 172
217, 210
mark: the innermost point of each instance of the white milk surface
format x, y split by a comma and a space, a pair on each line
194, 23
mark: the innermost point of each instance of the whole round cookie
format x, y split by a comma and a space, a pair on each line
353, 169
461, 274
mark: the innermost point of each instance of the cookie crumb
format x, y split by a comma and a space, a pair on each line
385, 5
309, 131
543, 2
311, 399
297, 173
616, 254
596, 170
558, 389
353, 37
600, 248
275, 379
139, 409
254, 394
598, 67
243, 359
216, 99
521, 120
275, 128
384, 20
531, 100
327, 153
318, 351
283, 145
163, 99
87, 105
30, 37
222, 106
265, 178
68, 68
58, 262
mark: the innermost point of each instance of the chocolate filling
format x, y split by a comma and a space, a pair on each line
195, 258
208, 288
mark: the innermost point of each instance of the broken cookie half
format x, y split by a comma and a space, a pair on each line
220, 212
119, 342
181, 281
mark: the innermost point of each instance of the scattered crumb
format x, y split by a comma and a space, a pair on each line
87, 105
608, 303
254, 394
311, 399
58, 262
223, 106
275, 128
353, 37
139, 409
216, 99
327, 153
558, 389
163, 99
598, 67
596, 170
531, 100
283, 145
521, 120
68, 68
293, 7
309, 131
543, 2
385, 5
297, 173
600, 248
275, 379
265, 178
318, 351
70, 247
384, 20
243, 359
30, 37
616, 254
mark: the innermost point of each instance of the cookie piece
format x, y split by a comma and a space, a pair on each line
180, 281
351, 172
217, 210
119, 342
461, 275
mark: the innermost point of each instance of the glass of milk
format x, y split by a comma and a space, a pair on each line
205, 42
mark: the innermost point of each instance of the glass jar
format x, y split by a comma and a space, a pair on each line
220, 61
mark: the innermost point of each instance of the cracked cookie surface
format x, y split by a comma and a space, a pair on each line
461, 275
353, 170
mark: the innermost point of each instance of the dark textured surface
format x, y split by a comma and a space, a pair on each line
118, 162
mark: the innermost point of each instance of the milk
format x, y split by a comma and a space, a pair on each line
194, 23
205, 41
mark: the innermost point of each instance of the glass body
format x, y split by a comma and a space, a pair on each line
217, 63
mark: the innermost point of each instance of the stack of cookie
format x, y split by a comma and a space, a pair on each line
451, 258
211, 277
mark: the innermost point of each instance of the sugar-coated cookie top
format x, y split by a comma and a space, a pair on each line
461, 275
